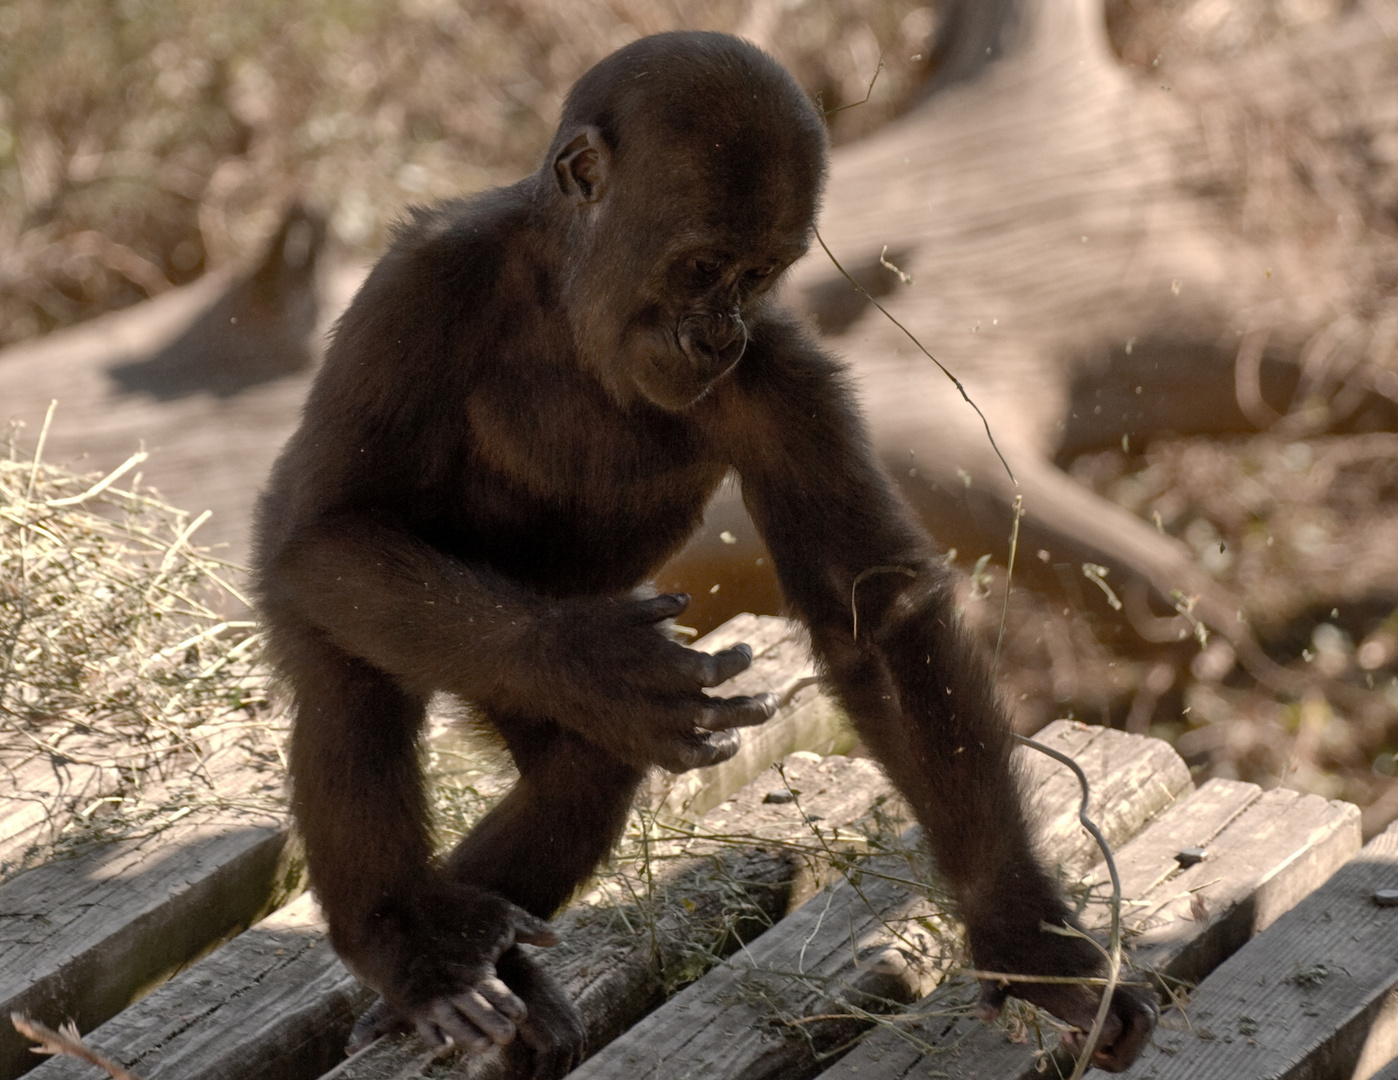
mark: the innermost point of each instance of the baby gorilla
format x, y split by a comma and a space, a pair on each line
521, 416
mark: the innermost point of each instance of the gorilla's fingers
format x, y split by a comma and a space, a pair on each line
1126, 1032
725, 713
722, 666
553, 1058
429, 1033
531, 929
1103, 1056
658, 608
377, 1020
492, 1022
444, 1020
704, 749
502, 999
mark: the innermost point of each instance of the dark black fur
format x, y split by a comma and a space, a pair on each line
521, 416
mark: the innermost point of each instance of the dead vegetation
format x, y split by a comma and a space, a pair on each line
110, 653
143, 144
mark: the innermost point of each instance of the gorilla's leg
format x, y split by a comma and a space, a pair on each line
557, 823
534, 848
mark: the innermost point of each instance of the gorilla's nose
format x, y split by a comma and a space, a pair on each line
713, 343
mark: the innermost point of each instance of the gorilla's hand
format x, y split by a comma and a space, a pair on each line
605, 668
552, 1034
1125, 1032
435, 960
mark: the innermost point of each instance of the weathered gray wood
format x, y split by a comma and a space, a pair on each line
616, 973
1133, 780
1184, 922
1299, 1002
82, 938
41, 792
275, 1001
199, 1026
316, 1026
44, 788
1265, 852
870, 942
849, 800
51, 783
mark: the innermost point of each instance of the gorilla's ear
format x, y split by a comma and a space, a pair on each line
582, 167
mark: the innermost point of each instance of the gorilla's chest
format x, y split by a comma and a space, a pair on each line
567, 490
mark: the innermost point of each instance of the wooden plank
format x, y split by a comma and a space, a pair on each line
276, 1002
773, 668
193, 1025
115, 943
1299, 1002
80, 939
870, 941
1133, 780
616, 975
1185, 921
1264, 852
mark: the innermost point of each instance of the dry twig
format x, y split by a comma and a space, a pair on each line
66, 1042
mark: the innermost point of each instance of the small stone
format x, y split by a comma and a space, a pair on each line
1191, 856
1386, 897
778, 797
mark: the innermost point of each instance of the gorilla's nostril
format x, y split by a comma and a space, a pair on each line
713, 342
713, 354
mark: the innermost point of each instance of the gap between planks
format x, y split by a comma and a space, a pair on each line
1311, 999
81, 938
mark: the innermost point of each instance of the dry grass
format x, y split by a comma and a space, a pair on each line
113, 653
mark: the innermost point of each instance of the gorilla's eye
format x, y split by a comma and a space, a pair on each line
759, 274
704, 268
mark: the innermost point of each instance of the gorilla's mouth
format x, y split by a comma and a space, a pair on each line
668, 379
712, 342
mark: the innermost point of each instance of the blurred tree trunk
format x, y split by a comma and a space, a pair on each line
1102, 255
208, 377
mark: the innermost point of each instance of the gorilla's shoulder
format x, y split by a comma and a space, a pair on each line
458, 236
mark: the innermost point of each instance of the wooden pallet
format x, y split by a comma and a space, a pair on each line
837, 965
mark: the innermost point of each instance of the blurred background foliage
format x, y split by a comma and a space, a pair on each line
143, 142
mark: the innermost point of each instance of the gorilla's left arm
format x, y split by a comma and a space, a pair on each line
877, 597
